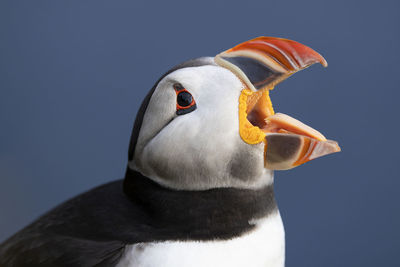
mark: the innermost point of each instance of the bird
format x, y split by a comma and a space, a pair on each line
198, 188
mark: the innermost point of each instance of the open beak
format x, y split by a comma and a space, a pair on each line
261, 63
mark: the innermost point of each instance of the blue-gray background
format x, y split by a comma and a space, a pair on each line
73, 73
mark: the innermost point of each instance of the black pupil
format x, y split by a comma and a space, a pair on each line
184, 99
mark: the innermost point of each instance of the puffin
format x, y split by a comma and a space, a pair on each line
198, 189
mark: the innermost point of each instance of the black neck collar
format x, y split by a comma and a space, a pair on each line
219, 213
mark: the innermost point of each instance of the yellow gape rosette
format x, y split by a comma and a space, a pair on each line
259, 102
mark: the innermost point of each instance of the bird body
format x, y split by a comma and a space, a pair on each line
198, 189
109, 227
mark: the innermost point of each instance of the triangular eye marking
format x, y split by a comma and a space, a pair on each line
185, 102
263, 62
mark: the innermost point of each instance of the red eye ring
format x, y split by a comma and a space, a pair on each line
185, 102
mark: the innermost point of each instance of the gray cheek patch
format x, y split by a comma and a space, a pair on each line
246, 164
282, 148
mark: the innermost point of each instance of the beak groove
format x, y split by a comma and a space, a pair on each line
263, 62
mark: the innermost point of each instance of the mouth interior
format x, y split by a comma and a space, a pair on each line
257, 118
259, 108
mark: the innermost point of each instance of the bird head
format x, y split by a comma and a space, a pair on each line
209, 122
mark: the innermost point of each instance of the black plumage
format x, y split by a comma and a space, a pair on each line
93, 228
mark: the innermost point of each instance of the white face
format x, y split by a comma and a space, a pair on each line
201, 149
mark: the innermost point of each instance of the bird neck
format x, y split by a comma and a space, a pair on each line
209, 214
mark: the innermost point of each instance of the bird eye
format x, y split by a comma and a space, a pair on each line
184, 100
